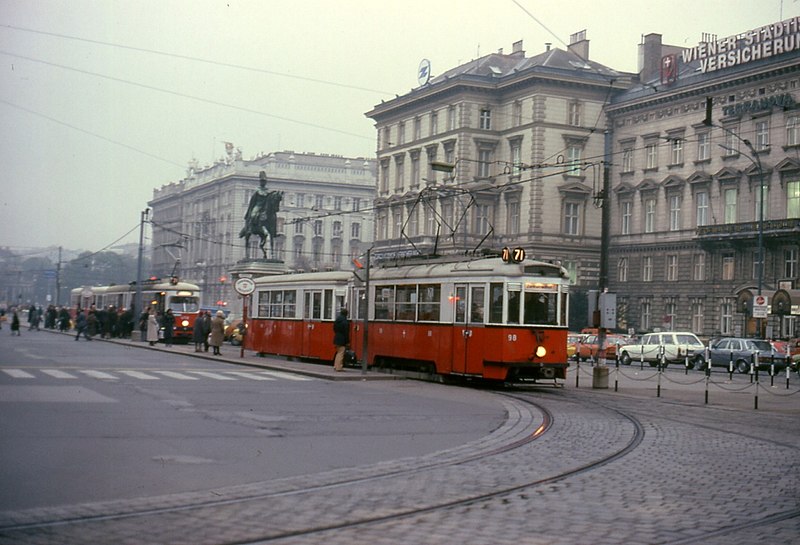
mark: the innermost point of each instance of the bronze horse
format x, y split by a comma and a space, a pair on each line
262, 218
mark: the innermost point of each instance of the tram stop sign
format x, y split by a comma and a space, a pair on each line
760, 306
244, 286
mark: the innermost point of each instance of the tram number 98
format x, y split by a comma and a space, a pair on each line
513, 255
512, 337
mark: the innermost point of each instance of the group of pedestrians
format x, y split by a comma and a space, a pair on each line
209, 331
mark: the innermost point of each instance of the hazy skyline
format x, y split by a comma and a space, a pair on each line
103, 101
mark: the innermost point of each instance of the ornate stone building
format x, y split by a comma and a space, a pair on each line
522, 139
325, 217
706, 210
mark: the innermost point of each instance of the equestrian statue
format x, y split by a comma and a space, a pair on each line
262, 217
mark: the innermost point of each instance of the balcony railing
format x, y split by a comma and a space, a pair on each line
748, 230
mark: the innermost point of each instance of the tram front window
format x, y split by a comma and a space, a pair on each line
183, 303
540, 308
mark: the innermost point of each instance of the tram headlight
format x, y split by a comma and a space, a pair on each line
185, 323
541, 351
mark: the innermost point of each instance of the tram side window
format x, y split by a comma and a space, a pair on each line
476, 304
263, 304
540, 308
289, 303
564, 308
406, 303
384, 303
328, 302
513, 306
429, 302
276, 304
495, 303
313, 305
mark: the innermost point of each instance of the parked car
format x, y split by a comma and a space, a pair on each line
589, 346
674, 345
742, 352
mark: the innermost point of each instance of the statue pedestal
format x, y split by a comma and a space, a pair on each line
258, 267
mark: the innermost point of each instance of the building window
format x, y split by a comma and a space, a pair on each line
513, 217
730, 205
676, 151
387, 137
731, 144
672, 268
516, 113
622, 269
516, 158
417, 128
627, 160
574, 114
317, 228
319, 202
397, 217
647, 268
434, 123
337, 203
728, 267
355, 230
699, 267
356, 204
384, 177
726, 317
674, 212
644, 315
670, 313
484, 163
574, 160
413, 222
793, 199
703, 146
698, 316
793, 130
486, 119
571, 218
757, 263
414, 170
627, 212
651, 156
451, 118
401, 133
400, 174
482, 222
701, 207
572, 271
337, 229
649, 215
762, 135
790, 263
298, 227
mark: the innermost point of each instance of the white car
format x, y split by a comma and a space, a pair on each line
674, 345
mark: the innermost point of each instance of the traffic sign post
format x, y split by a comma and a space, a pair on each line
760, 306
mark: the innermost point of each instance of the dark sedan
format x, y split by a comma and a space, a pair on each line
742, 352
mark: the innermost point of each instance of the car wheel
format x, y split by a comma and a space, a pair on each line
699, 362
625, 359
743, 367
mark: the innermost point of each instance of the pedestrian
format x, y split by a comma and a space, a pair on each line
199, 336
63, 320
168, 323
152, 327
34, 318
15, 323
206, 329
82, 326
92, 323
217, 332
341, 338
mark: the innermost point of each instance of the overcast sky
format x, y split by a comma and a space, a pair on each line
103, 101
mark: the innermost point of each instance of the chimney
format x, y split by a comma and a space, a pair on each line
650, 53
516, 48
547, 46
579, 45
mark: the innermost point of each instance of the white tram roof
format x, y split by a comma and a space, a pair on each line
493, 267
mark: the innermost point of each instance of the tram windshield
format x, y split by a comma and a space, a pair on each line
184, 303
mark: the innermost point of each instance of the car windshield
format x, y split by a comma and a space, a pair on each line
689, 340
761, 346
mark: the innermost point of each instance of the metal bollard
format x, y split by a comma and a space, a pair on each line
772, 367
756, 374
730, 367
687, 362
616, 368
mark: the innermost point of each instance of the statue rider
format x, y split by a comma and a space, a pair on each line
261, 216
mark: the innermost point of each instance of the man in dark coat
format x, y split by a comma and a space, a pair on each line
341, 338
168, 323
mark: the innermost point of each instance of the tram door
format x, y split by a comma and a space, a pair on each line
467, 316
312, 316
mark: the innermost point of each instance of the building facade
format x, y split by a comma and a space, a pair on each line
705, 181
520, 141
325, 217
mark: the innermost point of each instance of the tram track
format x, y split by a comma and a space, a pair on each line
524, 430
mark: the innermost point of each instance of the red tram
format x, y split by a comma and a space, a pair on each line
469, 317
182, 297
